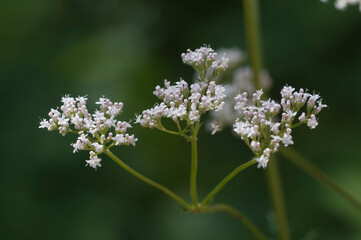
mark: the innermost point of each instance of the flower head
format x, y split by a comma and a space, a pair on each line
258, 128
181, 102
94, 130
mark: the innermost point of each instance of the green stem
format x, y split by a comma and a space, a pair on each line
274, 185
148, 181
253, 38
240, 216
194, 165
161, 128
301, 162
225, 180
178, 126
251, 13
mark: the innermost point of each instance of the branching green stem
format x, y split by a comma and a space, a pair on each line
182, 134
143, 178
301, 162
240, 216
225, 180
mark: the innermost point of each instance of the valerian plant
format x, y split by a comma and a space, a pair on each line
259, 125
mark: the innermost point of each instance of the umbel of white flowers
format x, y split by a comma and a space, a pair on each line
342, 4
94, 130
183, 103
258, 128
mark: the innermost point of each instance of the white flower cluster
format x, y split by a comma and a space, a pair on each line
231, 57
203, 58
93, 129
258, 128
181, 103
342, 4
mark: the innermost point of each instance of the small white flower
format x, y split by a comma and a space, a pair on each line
54, 114
45, 124
78, 145
255, 146
77, 121
93, 131
313, 98
302, 118
312, 122
98, 147
119, 139
262, 161
103, 102
63, 121
130, 139
241, 101
288, 116
267, 152
93, 162
276, 128
287, 138
253, 132
81, 100
320, 107
287, 91
257, 95
220, 65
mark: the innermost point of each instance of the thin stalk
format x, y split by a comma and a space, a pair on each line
225, 180
161, 128
148, 181
251, 14
253, 34
274, 185
237, 214
194, 166
320, 176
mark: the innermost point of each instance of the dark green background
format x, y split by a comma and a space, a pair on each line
122, 49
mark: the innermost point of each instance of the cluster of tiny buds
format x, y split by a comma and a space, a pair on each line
203, 58
93, 129
258, 128
181, 102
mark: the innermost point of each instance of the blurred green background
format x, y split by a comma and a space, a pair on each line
122, 49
